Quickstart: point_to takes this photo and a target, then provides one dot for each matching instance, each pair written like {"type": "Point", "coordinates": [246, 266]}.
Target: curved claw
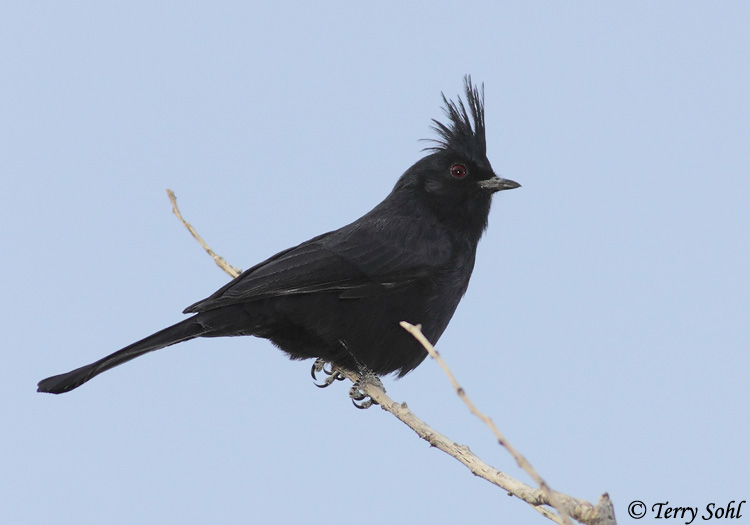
{"type": "Point", "coordinates": [357, 394]}
{"type": "Point", "coordinates": [367, 403]}
{"type": "Point", "coordinates": [335, 376]}
{"type": "Point", "coordinates": [331, 373]}
{"type": "Point", "coordinates": [316, 367]}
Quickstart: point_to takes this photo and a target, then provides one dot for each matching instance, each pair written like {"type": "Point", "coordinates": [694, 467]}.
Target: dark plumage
{"type": "Point", "coordinates": [341, 295]}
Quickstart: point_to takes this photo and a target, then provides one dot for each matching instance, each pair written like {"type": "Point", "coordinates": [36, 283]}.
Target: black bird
{"type": "Point", "coordinates": [340, 296]}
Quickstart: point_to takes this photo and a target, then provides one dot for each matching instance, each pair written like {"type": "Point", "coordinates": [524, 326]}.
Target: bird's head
{"type": "Point", "coordinates": [457, 179]}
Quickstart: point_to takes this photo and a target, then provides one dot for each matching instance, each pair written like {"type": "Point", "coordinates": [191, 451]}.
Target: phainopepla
{"type": "Point", "coordinates": [340, 296]}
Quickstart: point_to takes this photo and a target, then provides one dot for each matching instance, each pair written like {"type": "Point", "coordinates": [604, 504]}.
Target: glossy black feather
{"type": "Point", "coordinates": [341, 295]}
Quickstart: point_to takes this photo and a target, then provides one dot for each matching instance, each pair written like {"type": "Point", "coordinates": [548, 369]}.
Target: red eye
{"type": "Point", "coordinates": [458, 171]}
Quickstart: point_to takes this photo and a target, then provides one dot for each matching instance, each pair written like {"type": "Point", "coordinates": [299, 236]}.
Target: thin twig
{"type": "Point", "coordinates": [220, 262]}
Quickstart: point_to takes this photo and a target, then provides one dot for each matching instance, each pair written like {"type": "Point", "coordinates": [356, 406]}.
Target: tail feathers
{"type": "Point", "coordinates": [182, 331]}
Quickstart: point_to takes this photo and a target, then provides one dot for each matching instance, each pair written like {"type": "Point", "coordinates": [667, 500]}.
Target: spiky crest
{"type": "Point", "coordinates": [459, 134]}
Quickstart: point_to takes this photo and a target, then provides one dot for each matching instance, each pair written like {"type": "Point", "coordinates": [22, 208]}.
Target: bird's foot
{"type": "Point", "coordinates": [357, 392]}
{"type": "Point", "coordinates": [331, 373]}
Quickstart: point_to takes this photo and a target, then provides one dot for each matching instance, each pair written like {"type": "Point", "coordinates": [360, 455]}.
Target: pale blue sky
{"type": "Point", "coordinates": [605, 329]}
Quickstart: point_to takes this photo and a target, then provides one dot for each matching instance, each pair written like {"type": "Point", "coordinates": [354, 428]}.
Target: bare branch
{"type": "Point", "coordinates": [580, 510]}
{"type": "Point", "coordinates": [220, 262]}
{"type": "Point", "coordinates": [455, 450]}
{"type": "Point", "coordinates": [416, 331]}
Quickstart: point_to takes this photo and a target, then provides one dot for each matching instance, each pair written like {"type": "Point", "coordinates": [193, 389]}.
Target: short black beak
{"type": "Point", "coordinates": [497, 184]}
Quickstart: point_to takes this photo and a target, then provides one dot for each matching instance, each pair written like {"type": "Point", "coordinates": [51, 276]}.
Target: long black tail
{"type": "Point", "coordinates": [177, 333]}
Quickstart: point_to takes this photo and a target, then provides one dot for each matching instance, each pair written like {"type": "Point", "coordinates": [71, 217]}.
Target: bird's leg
{"type": "Point", "coordinates": [332, 374]}
{"type": "Point", "coordinates": [357, 392]}
{"type": "Point", "coordinates": [366, 376]}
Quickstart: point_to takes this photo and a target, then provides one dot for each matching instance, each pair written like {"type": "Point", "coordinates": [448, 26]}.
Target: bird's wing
{"type": "Point", "coordinates": [356, 261]}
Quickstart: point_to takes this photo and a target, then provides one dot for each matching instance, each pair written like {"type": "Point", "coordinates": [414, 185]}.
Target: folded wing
{"type": "Point", "coordinates": [354, 263]}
